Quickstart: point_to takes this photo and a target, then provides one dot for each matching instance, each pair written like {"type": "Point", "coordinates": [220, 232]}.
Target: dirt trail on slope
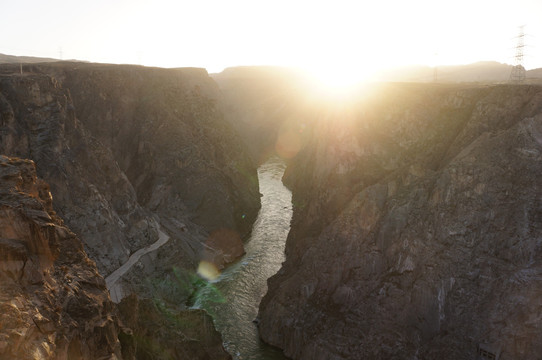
{"type": "Point", "coordinates": [114, 288]}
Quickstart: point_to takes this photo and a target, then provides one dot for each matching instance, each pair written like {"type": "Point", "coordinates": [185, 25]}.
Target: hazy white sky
{"type": "Point", "coordinates": [354, 36]}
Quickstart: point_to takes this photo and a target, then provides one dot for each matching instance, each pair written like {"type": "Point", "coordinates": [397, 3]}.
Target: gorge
{"type": "Point", "coordinates": [416, 209]}
{"type": "Point", "coordinates": [131, 153]}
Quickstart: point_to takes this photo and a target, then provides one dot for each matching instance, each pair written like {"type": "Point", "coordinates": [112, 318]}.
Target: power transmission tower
{"type": "Point", "coordinates": [517, 75]}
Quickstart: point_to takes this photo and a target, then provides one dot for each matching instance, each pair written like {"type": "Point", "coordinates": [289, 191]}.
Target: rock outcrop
{"type": "Point", "coordinates": [417, 229]}
{"type": "Point", "coordinates": [54, 304]}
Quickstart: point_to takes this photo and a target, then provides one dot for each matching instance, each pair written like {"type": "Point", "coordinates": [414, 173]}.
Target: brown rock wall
{"type": "Point", "coordinates": [54, 303]}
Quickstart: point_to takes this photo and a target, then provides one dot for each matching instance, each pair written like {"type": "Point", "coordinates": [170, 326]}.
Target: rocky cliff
{"type": "Point", "coordinates": [54, 304]}
{"type": "Point", "coordinates": [417, 228]}
{"type": "Point", "coordinates": [130, 153]}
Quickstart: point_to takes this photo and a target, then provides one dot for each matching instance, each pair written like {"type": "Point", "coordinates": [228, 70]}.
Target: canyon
{"type": "Point", "coordinates": [416, 229]}
{"type": "Point", "coordinates": [133, 155]}
{"type": "Point", "coordinates": [128, 151]}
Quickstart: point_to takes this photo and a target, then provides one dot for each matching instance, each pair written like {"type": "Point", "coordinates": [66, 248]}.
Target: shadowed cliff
{"type": "Point", "coordinates": [263, 104]}
{"type": "Point", "coordinates": [416, 229]}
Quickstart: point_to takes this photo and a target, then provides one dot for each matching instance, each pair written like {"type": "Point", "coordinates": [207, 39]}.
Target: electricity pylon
{"type": "Point", "coordinates": [517, 75]}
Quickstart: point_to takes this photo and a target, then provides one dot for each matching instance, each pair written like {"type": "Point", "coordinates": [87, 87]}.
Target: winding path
{"type": "Point", "coordinates": [115, 289]}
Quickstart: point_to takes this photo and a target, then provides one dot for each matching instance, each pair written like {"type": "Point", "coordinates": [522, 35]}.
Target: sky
{"type": "Point", "coordinates": [352, 38]}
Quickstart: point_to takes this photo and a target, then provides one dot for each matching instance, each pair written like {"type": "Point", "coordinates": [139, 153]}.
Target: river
{"type": "Point", "coordinates": [243, 284]}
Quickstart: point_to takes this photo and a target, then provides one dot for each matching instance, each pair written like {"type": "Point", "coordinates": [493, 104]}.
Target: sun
{"type": "Point", "coordinates": [336, 77]}
{"type": "Point", "coordinates": [336, 82]}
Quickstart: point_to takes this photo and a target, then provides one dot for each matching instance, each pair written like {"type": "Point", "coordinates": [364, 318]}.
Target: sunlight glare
{"type": "Point", "coordinates": [336, 78]}
{"type": "Point", "coordinates": [336, 82]}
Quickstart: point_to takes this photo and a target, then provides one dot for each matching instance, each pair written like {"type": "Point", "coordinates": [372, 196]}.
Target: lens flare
{"type": "Point", "coordinates": [208, 270]}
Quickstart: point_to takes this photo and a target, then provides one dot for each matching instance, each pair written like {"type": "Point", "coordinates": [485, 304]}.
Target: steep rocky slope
{"type": "Point", "coordinates": [417, 229]}
{"type": "Point", "coordinates": [129, 152]}
{"type": "Point", "coordinates": [54, 304]}
{"type": "Point", "coordinates": [169, 138]}
{"type": "Point", "coordinates": [91, 192]}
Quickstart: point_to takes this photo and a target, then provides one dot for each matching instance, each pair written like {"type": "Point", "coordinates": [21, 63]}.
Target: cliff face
{"type": "Point", "coordinates": [54, 304]}
{"type": "Point", "coordinates": [131, 152]}
{"type": "Point", "coordinates": [91, 192]}
{"type": "Point", "coordinates": [416, 230]}
{"type": "Point", "coordinates": [170, 140]}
